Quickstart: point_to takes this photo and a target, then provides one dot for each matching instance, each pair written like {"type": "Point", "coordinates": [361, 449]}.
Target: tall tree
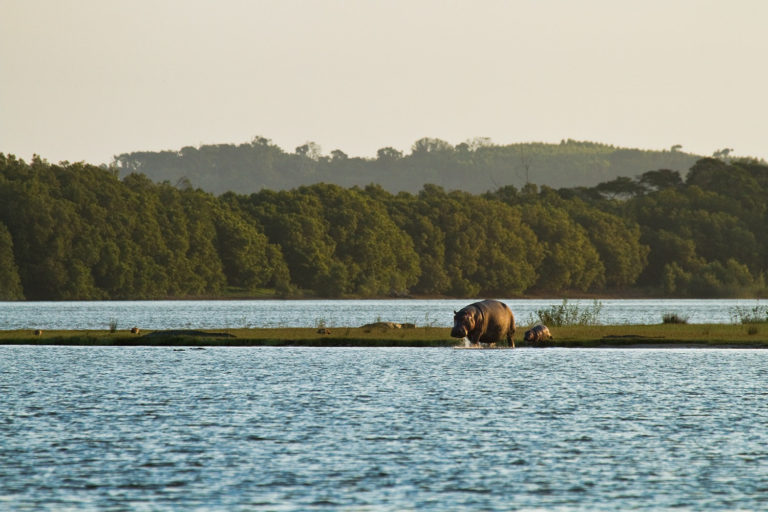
{"type": "Point", "coordinates": [10, 282]}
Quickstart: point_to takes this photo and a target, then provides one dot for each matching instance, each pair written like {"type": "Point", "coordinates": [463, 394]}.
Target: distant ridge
{"type": "Point", "coordinates": [475, 166]}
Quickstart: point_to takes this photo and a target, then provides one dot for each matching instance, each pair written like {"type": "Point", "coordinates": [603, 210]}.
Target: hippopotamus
{"type": "Point", "coordinates": [537, 334]}
{"type": "Point", "coordinates": [487, 321]}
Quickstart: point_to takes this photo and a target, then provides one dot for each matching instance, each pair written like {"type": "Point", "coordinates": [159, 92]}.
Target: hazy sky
{"type": "Point", "coordinates": [89, 79]}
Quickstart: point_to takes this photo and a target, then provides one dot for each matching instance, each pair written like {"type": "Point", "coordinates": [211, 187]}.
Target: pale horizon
{"type": "Point", "coordinates": [87, 80]}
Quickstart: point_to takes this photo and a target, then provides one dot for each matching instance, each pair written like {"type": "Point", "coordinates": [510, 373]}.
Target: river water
{"type": "Point", "coordinates": [213, 314]}
{"type": "Point", "coordinates": [297, 428]}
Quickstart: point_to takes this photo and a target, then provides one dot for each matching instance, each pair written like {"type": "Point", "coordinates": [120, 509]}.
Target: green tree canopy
{"type": "Point", "coordinates": [76, 231]}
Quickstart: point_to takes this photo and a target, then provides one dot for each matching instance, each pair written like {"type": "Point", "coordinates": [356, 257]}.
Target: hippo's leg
{"type": "Point", "coordinates": [510, 340]}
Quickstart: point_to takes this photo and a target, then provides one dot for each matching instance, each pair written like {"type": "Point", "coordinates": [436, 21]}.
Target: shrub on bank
{"type": "Point", "coordinates": [754, 315]}
{"type": "Point", "coordinates": [566, 314]}
{"type": "Point", "coordinates": [674, 318]}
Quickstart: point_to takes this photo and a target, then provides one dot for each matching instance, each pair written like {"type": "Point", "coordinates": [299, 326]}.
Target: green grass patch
{"type": "Point", "coordinates": [661, 335]}
{"type": "Point", "coordinates": [416, 337]}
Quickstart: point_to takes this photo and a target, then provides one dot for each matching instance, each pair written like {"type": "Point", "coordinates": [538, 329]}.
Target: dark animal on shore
{"type": "Point", "coordinates": [323, 331]}
{"type": "Point", "coordinates": [488, 321]}
{"type": "Point", "coordinates": [538, 334]}
{"type": "Point", "coordinates": [135, 330]}
{"type": "Point", "coordinates": [38, 332]}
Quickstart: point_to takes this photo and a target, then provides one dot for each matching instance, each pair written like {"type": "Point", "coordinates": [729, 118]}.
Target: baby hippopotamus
{"type": "Point", "coordinates": [537, 334]}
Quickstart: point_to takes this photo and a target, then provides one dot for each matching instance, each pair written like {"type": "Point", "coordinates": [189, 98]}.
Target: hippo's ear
{"type": "Point", "coordinates": [454, 312]}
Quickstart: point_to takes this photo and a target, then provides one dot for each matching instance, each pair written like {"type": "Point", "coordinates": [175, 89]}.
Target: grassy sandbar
{"type": "Point", "coordinates": [661, 335]}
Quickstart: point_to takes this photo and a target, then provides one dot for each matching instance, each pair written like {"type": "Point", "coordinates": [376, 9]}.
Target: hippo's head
{"type": "Point", "coordinates": [529, 335]}
{"type": "Point", "coordinates": [463, 323]}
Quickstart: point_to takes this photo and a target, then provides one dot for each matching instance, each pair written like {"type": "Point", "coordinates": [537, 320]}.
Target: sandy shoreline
{"type": "Point", "coordinates": [609, 336]}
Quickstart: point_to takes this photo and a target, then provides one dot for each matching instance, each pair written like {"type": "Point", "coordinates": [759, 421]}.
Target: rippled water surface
{"type": "Point", "coordinates": [148, 428]}
{"type": "Point", "coordinates": [216, 314]}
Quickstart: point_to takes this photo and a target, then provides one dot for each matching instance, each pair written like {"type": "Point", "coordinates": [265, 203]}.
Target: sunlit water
{"type": "Point", "coordinates": [212, 314]}
{"type": "Point", "coordinates": [148, 428]}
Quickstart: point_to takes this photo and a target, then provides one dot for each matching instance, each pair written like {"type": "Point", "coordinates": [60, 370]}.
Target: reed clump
{"type": "Point", "coordinates": [755, 315]}
{"type": "Point", "coordinates": [674, 318]}
{"type": "Point", "coordinates": [566, 314]}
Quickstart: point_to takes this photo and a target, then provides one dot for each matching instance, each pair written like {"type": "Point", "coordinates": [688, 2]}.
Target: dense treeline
{"type": "Point", "coordinates": [474, 166]}
{"type": "Point", "coordinates": [76, 231]}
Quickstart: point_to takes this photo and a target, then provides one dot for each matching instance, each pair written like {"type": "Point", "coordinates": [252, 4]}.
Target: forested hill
{"type": "Point", "coordinates": [77, 231]}
{"type": "Point", "coordinates": [476, 166]}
